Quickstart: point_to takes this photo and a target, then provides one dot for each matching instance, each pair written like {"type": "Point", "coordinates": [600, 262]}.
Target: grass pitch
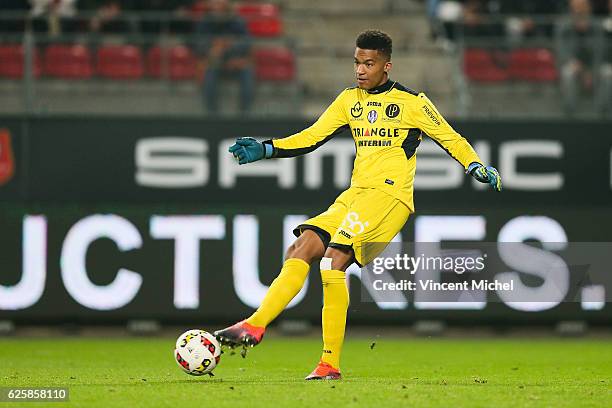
{"type": "Point", "coordinates": [139, 372]}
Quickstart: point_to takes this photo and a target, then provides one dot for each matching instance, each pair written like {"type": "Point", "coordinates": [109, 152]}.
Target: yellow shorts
{"type": "Point", "coordinates": [359, 216]}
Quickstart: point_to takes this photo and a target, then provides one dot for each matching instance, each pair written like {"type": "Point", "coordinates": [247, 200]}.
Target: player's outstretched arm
{"type": "Point", "coordinates": [332, 122]}
{"type": "Point", "coordinates": [429, 120]}
{"type": "Point", "coordinates": [248, 150]}
{"type": "Point", "coordinates": [485, 175]}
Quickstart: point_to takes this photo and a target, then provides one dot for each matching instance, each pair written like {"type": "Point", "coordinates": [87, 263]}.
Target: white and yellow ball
{"type": "Point", "coordinates": [197, 352]}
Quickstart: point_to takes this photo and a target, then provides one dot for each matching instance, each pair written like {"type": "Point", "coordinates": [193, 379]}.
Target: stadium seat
{"type": "Point", "coordinates": [197, 9]}
{"type": "Point", "coordinates": [265, 26]}
{"type": "Point", "coordinates": [68, 61]}
{"type": "Point", "coordinates": [181, 62]}
{"type": "Point", "coordinates": [248, 10]}
{"type": "Point", "coordinates": [263, 20]}
{"type": "Point", "coordinates": [533, 64]}
{"type": "Point", "coordinates": [12, 61]}
{"type": "Point", "coordinates": [120, 62]}
{"type": "Point", "coordinates": [274, 64]}
{"type": "Point", "coordinates": [479, 65]}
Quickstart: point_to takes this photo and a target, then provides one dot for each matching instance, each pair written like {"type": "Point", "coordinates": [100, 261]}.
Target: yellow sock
{"type": "Point", "coordinates": [333, 318]}
{"type": "Point", "coordinates": [284, 288]}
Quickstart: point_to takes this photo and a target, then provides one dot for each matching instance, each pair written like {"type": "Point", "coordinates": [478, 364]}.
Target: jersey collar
{"type": "Point", "coordinates": [382, 88]}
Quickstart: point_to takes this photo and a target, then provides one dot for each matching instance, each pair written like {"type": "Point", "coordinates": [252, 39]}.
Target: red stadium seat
{"type": "Point", "coordinates": [479, 65]}
{"type": "Point", "coordinates": [197, 9]}
{"type": "Point", "coordinates": [12, 61]}
{"type": "Point", "coordinates": [534, 64]}
{"type": "Point", "coordinates": [263, 20]}
{"type": "Point", "coordinates": [265, 26]}
{"type": "Point", "coordinates": [248, 10]}
{"type": "Point", "coordinates": [68, 61]}
{"type": "Point", "coordinates": [274, 64]}
{"type": "Point", "coordinates": [120, 62]}
{"type": "Point", "coordinates": [154, 62]}
{"type": "Point", "coordinates": [182, 64]}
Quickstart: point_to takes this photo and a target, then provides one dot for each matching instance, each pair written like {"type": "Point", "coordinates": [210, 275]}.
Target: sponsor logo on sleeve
{"type": "Point", "coordinates": [432, 114]}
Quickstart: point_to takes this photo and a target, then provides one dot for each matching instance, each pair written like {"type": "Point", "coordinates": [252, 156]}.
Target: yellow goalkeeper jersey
{"type": "Point", "coordinates": [387, 124]}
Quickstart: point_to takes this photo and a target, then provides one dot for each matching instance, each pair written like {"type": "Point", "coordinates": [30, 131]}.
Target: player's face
{"type": "Point", "coordinates": [371, 68]}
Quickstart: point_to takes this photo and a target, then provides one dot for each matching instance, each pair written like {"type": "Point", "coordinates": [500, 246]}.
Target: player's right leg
{"type": "Point", "coordinates": [371, 222]}
{"type": "Point", "coordinates": [333, 316]}
{"type": "Point", "coordinates": [307, 248]}
{"type": "Point", "coordinates": [313, 238]}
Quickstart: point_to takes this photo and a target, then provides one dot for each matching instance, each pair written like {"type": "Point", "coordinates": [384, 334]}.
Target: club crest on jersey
{"type": "Point", "coordinates": [356, 110]}
{"type": "Point", "coordinates": [372, 116]}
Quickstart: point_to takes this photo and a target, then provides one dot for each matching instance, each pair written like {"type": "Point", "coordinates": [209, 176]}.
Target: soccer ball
{"type": "Point", "coordinates": [197, 352]}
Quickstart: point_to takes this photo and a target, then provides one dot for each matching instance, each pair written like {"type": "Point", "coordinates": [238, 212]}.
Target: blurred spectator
{"type": "Point", "coordinates": [54, 17]}
{"type": "Point", "coordinates": [198, 8]}
{"type": "Point", "coordinates": [600, 7]}
{"type": "Point", "coordinates": [224, 46]}
{"type": "Point", "coordinates": [444, 16]}
{"type": "Point", "coordinates": [529, 18]}
{"type": "Point", "coordinates": [15, 22]}
{"type": "Point", "coordinates": [153, 5]}
{"type": "Point", "coordinates": [432, 7]}
{"type": "Point", "coordinates": [472, 18]}
{"type": "Point", "coordinates": [480, 19]}
{"type": "Point", "coordinates": [108, 18]}
{"type": "Point", "coordinates": [576, 48]}
{"type": "Point", "coordinates": [175, 12]}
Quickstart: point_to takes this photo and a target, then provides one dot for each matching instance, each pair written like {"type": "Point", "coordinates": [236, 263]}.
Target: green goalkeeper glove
{"type": "Point", "coordinates": [248, 150]}
{"type": "Point", "coordinates": [485, 175]}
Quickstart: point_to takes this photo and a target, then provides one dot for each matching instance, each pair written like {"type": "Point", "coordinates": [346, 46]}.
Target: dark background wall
{"type": "Point", "coordinates": [90, 196]}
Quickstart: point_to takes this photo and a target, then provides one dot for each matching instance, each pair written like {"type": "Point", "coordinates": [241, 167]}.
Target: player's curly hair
{"type": "Point", "coordinates": [375, 40]}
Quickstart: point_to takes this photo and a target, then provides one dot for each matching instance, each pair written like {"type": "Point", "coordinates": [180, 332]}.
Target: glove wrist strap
{"type": "Point", "coordinates": [473, 166]}
{"type": "Point", "coordinates": [268, 149]}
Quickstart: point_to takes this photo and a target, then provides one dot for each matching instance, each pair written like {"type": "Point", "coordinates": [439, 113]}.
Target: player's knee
{"type": "Point", "coordinates": [341, 258]}
{"type": "Point", "coordinates": [291, 250]}
{"type": "Point", "coordinates": [307, 247]}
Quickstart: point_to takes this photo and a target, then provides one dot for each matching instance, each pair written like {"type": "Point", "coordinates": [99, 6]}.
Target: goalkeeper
{"type": "Point", "coordinates": [387, 122]}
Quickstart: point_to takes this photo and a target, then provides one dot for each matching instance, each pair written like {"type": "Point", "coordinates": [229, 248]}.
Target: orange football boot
{"type": "Point", "coordinates": [324, 371]}
{"type": "Point", "coordinates": [240, 334]}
